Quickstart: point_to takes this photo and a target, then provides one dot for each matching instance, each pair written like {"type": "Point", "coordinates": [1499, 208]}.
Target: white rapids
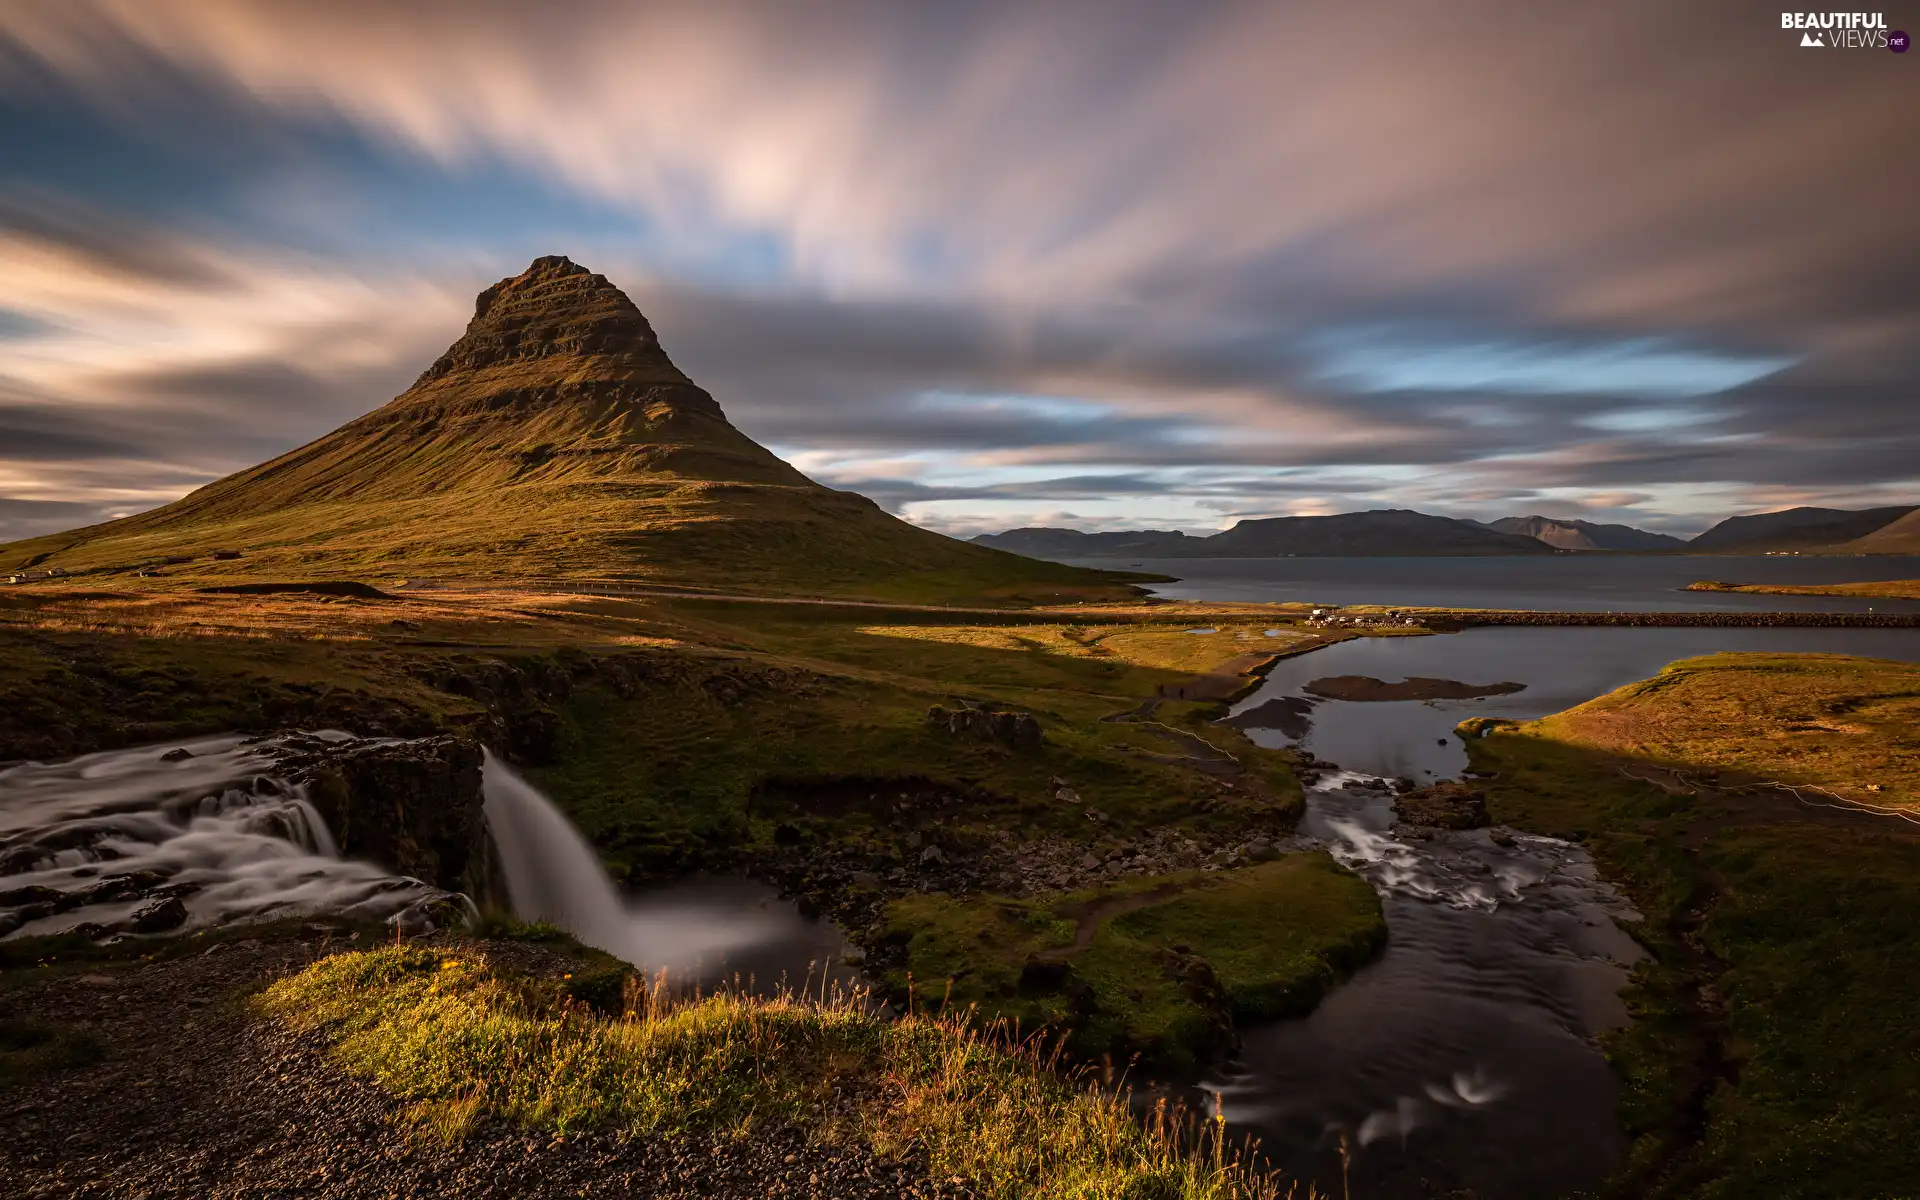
{"type": "Point", "coordinates": [151, 840]}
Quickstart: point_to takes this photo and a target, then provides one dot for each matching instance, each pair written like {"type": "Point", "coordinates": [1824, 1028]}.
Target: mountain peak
{"type": "Point", "coordinates": [555, 308]}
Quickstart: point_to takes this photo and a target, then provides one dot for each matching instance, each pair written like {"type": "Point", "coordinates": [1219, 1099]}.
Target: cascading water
{"type": "Point", "coordinates": [1462, 1058]}
{"type": "Point", "coordinates": [203, 833]}
{"type": "Point", "coordinates": [700, 931]}
{"type": "Point", "coordinates": [184, 836]}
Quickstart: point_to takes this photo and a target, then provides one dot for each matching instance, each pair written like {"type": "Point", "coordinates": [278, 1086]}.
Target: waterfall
{"type": "Point", "coordinates": [552, 874]}
{"type": "Point", "coordinates": [702, 930]}
{"type": "Point", "coordinates": [154, 840]}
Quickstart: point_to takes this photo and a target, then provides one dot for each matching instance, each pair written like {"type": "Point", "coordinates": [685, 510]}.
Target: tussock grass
{"type": "Point", "coordinates": [461, 1039]}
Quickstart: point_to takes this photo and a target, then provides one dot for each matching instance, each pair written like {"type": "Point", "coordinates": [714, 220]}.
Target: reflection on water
{"type": "Point", "coordinates": [1462, 1057]}
{"type": "Point", "coordinates": [1561, 666]}
{"type": "Point", "coordinates": [701, 931]}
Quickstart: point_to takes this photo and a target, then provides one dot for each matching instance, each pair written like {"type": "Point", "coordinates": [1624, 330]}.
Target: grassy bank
{"type": "Point", "coordinates": [462, 1038]}
{"type": "Point", "coordinates": [1773, 1052]}
{"type": "Point", "coordinates": [1892, 589]}
{"type": "Point", "coordinates": [1160, 966]}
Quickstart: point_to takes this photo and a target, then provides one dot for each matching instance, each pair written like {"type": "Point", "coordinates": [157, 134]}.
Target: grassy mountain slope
{"type": "Point", "coordinates": [554, 439]}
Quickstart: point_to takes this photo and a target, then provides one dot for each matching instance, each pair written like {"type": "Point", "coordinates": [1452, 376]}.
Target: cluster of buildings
{"type": "Point", "coordinates": [1323, 618]}
{"type": "Point", "coordinates": [30, 576]}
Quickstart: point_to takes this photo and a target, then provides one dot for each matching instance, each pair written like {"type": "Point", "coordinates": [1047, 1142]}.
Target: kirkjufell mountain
{"type": "Point", "coordinates": [554, 439]}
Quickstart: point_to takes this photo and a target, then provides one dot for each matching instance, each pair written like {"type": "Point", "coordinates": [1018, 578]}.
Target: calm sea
{"type": "Point", "coordinates": [1565, 583]}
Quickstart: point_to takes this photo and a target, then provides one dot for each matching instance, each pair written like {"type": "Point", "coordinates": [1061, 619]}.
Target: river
{"type": "Point", "coordinates": [1462, 1059]}
{"type": "Point", "coordinates": [1561, 667]}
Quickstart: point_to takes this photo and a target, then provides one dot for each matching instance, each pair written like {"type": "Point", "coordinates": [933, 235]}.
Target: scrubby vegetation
{"type": "Point", "coordinates": [1159, 966]}
{"type": "Point", "coordinates": [667, 728]}
{"type": "Point", "coordinates": [1847, 725]}
{"type": "Point", "coordinates": [462, 1038]}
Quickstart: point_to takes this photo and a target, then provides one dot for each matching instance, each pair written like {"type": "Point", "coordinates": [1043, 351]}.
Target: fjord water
{"type": "Point", "coordinates": [1561, 666]}
{"type": "Point", "coordinates": [1559, 583]}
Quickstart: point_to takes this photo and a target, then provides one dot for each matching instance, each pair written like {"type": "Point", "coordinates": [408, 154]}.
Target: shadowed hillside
{"type": "Point", "coordinates": [1392, 531]}
{"type": "Point", "coordinates": [1567, 534]}
{"type": "Point", "coordinates": [1901, 536]}
{"type": "Point", "coordinates": [1796, 529]}
{"type": "Point", "coordinates": [554, 439]}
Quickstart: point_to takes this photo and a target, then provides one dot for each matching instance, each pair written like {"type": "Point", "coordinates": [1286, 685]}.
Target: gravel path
{"type": "Point", "coordinates": [196, 1098]}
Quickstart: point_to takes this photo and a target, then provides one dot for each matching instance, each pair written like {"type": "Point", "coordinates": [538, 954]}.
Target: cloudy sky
{"type": "Point", "coordinates": [1104, 265]}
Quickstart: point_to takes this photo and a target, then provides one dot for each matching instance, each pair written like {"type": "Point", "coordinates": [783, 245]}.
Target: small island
{"type": "Point", "coordinates": [1888, 589]}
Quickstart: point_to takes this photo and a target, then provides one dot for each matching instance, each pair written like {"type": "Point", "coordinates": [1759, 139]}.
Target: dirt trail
{"type": "Point", "coordinates": [1091, 915]}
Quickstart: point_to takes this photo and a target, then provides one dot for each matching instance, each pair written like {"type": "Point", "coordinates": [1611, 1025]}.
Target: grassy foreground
{"type": "Point", "coordinates": [1774, 1051]}
{"type": "Point", "coordinates": [463, 1039]}
{"type": "Point", "coordinates": [1122, 965]}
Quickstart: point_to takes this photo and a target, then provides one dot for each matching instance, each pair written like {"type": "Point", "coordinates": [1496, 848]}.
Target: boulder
{"type": "Point", "coordinates": [1451, 804]}
{"type": "Point", "coordinates": [170, 913]}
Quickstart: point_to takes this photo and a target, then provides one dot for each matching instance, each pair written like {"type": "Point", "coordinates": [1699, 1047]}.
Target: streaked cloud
{"type": "Point", "coordinates": [1142, 262]}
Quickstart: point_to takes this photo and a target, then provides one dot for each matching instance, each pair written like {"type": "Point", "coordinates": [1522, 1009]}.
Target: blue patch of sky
{"type": "Point", "coordinates": [1054, 410]}
{"type": "Point", "coordinates": [1651, 420]}
{"type": "Point", "coordinates": [1386, 359]}
{"type": "Point", "coordinates": [19, 325]}
{"type": "Point", "coordinates": [209, 163]}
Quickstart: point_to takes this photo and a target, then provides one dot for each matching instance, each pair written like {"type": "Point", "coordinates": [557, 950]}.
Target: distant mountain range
{"type": "Point", "coordinates": [1401, 532]}
{"type": "Point", "coordinates": [1383, 532]}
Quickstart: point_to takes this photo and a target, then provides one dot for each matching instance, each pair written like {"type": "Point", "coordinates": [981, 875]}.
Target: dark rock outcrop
{"type": "Point", "coordinates": [1448, 805]}
{"type": "Point", "coordinates": [1015, 730]}
{"type": "Point", "coordinates": [413, 807]}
